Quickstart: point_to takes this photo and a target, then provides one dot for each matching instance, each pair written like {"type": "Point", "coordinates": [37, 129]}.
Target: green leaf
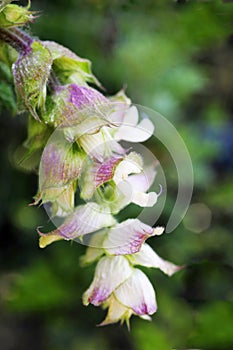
{"type": "Point", "coordinates": [7, 99]}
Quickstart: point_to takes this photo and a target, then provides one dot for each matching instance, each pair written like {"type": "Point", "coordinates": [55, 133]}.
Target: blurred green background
{"type": "Point", "coordinates": [175, 57]}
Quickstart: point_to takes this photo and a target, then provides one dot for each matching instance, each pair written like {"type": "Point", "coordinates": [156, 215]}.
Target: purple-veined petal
{"type": "Point", "coordinates": [137, 293]}
{"type": "Point", "coordinates": [104, 172]}
{"type": "Point", "coordinates": [149, 258]}
{"type": "Point", "coordinates": [60, 165]}
{"type": "Point", "coordinates": [111, 271]}
{"type": "Point", "coordinates": [83, 96]}
{"type": "Point", "coordinates": [127, 237]}
{"type": "Point", "coordinates": [95, 174]}
{"type": "Point", "coordinates": [116, 168]}
{"type": "Point", "coordinates": [86, 219]}
{"type": "Point", "coordinates": [73, 105]}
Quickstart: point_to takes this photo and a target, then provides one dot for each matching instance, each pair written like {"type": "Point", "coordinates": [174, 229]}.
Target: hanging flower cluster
{"type": "Point", "coordinates": [79, 131]}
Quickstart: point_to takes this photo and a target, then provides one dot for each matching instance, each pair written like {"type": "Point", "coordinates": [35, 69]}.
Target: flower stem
{"type": "Point", "coordinates": [21, 42]}
{"type": "Point", "coordinates": [16, 38]}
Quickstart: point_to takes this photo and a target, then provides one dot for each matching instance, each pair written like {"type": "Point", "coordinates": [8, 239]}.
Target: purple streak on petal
{"type": "Point", "coordinates": [59, 165]}
{"type": "Point", "coordinates": [145, 309]}
{"type": "Point", "coordinates": [105, 171]}
{"type": "Point", "coordinates": [50, 159]}
{"type": "Point", "coordinates": [127, 237]}
{"type": "Point", "coordinates": [82, 96]}
{"type": "Point", "coordinates": [85, 219]}
{"type": "Point", "coordinates": [76, 103]}
{"type": "Point", "coordinates": [134, 245]}
{"type": "Point", "coordinates": [98, 295]}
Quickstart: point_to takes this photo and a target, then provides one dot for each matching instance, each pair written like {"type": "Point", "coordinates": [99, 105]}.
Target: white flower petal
{"type": "Point", "coordinates": [131, 116]}
{"type": "Point", "coordinates": [110, 272]}
{"type": "Point", "coordinates": [131, 164]}
{"type": "Point", "coordinates": [158, 231]}
{"type": "Point", "coordinates": [144, 180]}
{"type": "Point", "coordinates": [144, 199]}
{"type": "Point", "coordinates": [148, 258]}
{"type": "Point", "coordinates": [137, 293]}
{"type": "Point", "coordinates": [127, 237]}
{"type": "Point", "coordinates": [119, 105]}
{"type": "Point", "coordinates": [133, 132]}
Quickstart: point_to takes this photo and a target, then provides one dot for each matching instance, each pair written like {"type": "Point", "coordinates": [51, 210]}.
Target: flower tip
{"type": "Point", "coordinates": [46, 239]}
{"type": "Point", "coordinates": [181, 267]}
{"type": "Point", "coordinates": [85, 300]}
{"type": "Point", "coordinates": [38, 230]}
{"type": "Point", "coordinates": [37, 198]}
{"type": "Point", "coordinates": [175, 268]}
{"type": "Point", "coordinates": [158, 231]}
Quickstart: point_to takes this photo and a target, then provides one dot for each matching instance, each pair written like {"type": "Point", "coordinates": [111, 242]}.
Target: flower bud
{"type": "Point", "coordinates": [31, 72]}
{"type": "Point", "coordinates": [13, 15]}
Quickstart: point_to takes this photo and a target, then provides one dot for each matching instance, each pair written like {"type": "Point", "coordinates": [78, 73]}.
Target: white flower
{"type": "Point", "coordinates": [133, 181]}
{"type": "Point", "coordinates": [124, 179]}
{"type": "Point", "coordinates": [111, 272]}
{"type": "Point", "coordinates": [122, 288]}
{"type": "Point", "coordinates": [123, 125]}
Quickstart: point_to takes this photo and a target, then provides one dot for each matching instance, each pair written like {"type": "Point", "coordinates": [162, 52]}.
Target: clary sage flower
{"type": "Point", "coordinates": [126, 290]}
{"type": "Point", "coordinates": [77, 132]}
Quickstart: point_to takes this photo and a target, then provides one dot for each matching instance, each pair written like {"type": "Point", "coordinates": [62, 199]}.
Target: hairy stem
{"type": "Point", "coordinates": [21, 42]}
{"type": "Point", "coordinates": [16, 38]}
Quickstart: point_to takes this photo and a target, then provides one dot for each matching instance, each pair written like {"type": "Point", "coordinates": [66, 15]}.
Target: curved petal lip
{"type": "Point", "coordinates": [144, 309]}
{"type": "Point", "coordinates": [99, 295]}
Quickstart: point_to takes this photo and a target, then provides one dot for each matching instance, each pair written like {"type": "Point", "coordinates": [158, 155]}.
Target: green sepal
{"type": "Point", "coordinates": [27, 156]}
{"type": "Point", "coordinates": [31, 73]}
{"type": "Point", "coordinates": [70, 68]}
{"type": "Point", "coordinates": [38, 134]}
{"type": "Point", "coordinates": [4, 3]}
